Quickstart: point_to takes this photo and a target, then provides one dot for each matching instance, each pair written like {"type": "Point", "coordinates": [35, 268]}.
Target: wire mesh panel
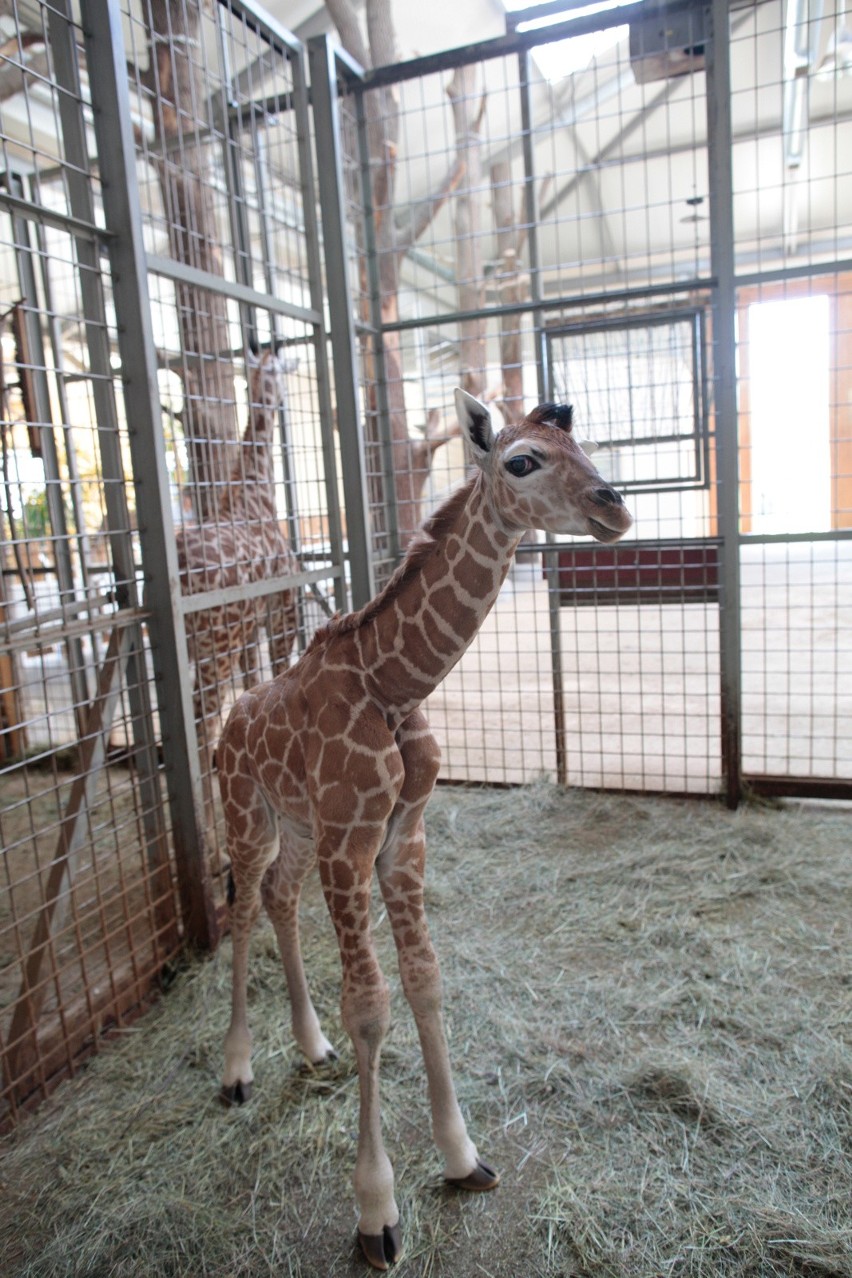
{"type": "Point", "coordinates": [88, 906]}
{"type": "Point", "coordinates": [170, 522]}
{"type": "Point", "coordinates": [236, 306]}
{"type": "Point", "coordinates": [542, 232]}
{"type": "Point", "coordinates": [793, 237]}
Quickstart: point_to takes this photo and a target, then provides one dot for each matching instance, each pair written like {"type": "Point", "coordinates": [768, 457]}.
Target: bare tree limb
{"type": "Point", "coordinates": [344, 17]}
{"type": "Point", "coordinates": [421, 214]}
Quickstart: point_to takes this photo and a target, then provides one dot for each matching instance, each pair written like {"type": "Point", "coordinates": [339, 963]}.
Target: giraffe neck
{"type": "Point", "coordinates": [251, 483]}
{"type": "Point", "coordinates": [421, 625]}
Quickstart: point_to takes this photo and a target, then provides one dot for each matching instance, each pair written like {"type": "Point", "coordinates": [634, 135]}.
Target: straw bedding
{"type": "Point", "coordinates": [648, 1004]}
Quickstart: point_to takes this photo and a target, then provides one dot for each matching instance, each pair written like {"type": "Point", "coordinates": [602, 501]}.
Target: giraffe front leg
{"type": "Point", "coordinates": [401, 869]}
{"type": "Point", "coordinates": [402, 887]}
{"type": "Point", "coordinates": [346, 872]}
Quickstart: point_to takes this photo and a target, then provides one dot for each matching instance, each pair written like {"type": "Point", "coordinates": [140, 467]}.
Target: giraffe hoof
{"type": "Point", "coordinates": [327, 1058]}
{"type": "Point", "coordinates": [383, 1249]}
{"type": "Point", "coordinates": [235, 1093]}
{"type": "Point", "coordinates": [479, 1181]}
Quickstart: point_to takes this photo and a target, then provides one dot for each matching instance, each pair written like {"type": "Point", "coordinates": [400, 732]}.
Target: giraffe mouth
{"type": "Point", "coordinates": [602, 533]}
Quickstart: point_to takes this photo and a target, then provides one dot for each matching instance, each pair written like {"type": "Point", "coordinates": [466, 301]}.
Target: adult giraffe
{"type": "Point", "coordinates": [333, 762]}
{"type": "Point", "coordinates": [242, 544]}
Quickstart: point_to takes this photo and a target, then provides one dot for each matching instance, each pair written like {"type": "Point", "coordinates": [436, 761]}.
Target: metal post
{"type": "Point", "coordinates": [341, 316]}
{"type": "Point", "coordinates": [551, 557]}
{"type": "Point", "coordinates": [114, 131]}
{"type": "Point", "coordinates": [719, 147]}
{"type": "Point", "coordinates": [315, 276]}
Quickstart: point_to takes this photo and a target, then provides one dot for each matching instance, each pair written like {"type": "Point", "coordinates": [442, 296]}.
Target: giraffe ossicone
{"type": "Point", "coordinates": [332, 763]}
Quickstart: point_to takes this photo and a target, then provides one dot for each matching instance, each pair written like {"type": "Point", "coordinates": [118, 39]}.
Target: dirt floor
{"type": "Point", "coordinates": [649, 1006]}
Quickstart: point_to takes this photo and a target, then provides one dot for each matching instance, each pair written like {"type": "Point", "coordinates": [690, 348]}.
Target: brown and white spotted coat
{"type": "Point", "coordinates": [243, 544]}
{"type": "Point", "coordinates": [333, 763]}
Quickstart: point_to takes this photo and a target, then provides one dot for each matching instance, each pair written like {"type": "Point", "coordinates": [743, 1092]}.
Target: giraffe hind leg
{"type": "Point", "coordinates": [281, 891]}
{"type": "Point", "coordinates": [253, 845]}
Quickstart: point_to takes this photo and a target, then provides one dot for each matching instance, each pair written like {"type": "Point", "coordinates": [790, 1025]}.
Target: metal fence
{"type": "Point", "coordinates": [645, 212]}
{"type": "Point", "coordinates": [648, 218]}
{"type": "Point", "coordinates": [170, 520]}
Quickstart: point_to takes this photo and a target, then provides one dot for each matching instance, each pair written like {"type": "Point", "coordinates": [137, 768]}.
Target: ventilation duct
{"type": "Point", "coordinates": [667, 44]}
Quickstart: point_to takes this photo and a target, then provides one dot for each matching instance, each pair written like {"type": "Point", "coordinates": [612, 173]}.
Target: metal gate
{"type": "Point", "coordinates": [170, 520]}
{"type": "Point", "coordinates": [591, 210]}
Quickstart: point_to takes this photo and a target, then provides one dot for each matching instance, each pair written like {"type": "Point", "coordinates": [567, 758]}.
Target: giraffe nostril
{"type": "Point", "coordinates": [608, 497]}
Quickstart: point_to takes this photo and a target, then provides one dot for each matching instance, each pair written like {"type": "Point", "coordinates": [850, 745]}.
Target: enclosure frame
{"type": "Point", "coordinates": [142, 654]}
{"type": "Point", "coordinates": [719, 292]}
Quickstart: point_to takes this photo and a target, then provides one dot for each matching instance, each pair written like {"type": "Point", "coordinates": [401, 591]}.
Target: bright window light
{"type": "Point", "coordinates": [788, 360]}
{"type": "Point", "coordinates": [562, 58]}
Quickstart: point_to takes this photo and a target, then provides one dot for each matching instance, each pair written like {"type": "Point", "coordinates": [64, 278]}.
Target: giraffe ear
{"type": "Point", "coordinates": [475, 422]}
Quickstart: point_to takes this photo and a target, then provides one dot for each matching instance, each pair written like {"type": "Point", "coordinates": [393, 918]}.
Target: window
{"type": "Point", "coordinates": [788, 375]}
{"type": "Point", "coordinates": [638, 391]}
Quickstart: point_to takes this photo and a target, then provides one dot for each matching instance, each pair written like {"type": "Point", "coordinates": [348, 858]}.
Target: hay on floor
{"type": "Point", "coordinates": [648, 1004]}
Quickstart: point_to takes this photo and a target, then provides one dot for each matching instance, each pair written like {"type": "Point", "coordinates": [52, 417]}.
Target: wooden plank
{"type": "Point", "coordinates": [22, 1045]}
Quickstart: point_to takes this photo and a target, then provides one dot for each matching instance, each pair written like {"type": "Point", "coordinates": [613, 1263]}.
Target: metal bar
{"type": "Point", "coordinates": [102, 21]}
{"type": "Point", "coordinates": [320, 343]}
{"type": "Point", "coordinates": [19, 206]}
{"type": "Point", "coordinates": [512, 43]}
{"type": "Point", "coordinates": [549, 9]}
{"type": "Point", "coordinates": [22, 1048]}
{"type": "Point", "coordinates": [25, 633]}
{"type": "Point", "coordinates": [183, 273]}
{"type": "Point", "coordinates": [256, 589]}
{"type": "Point", "coordinates": [783, 274]}
{"type": "Point", "coordinates": [639, 319]}
{"type": "Point", "coordinates": [565, 302]}
{"type": "Point", "coordinates": [263, 24]}
{"type": "Point", "coordinates": [718, 68]}
{"type": "Point", "coordinates": [762, 539]}
{"type": "Point", "coordinates": [349, 423]}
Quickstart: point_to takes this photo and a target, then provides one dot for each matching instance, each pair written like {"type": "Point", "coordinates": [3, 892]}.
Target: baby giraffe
{"type": "Point", "coordinates": [332, 764]}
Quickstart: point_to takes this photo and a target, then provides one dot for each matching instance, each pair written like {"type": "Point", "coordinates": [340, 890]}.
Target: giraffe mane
{"type": "Point", "coordinates": [435, 528]}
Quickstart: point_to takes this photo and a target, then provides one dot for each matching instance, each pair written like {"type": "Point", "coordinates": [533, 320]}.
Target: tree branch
{"type": "Point", "coordinates": [344, 17]}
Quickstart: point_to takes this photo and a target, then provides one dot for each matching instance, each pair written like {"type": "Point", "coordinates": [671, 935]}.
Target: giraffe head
{"type": "Point", "coordinates": [267, 378]}
{"type": "Point", "coordinates": [539, 476]}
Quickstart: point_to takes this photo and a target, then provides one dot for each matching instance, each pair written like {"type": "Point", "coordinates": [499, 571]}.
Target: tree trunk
{"type": "Point", "coordinates": [411, 457]}
{"type": "Point", "coordinates": [175, 79]}
{"type": "Point", "coordinates": [511, 289]}
{"type": "Point", "coordinates": [468, 112]}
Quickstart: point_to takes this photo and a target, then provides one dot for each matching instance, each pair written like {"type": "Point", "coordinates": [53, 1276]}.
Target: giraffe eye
{"type": "Point", "coordinates": [522, 465]}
